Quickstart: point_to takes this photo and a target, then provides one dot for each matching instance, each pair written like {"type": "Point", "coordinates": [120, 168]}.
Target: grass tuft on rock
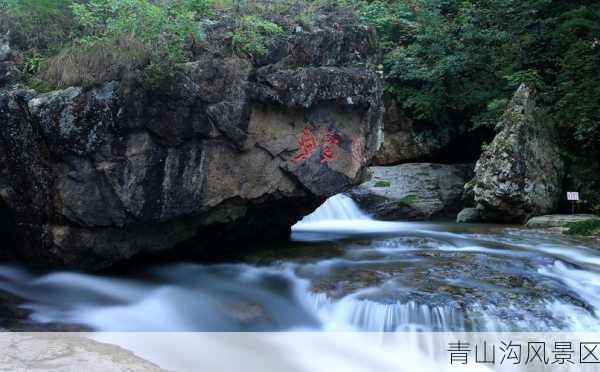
{"type": "Point", "coordinates": [408, 200]}
{"type": "Point", "coordinates": [586, 228]}
{"type": "Point", "coordinates": [86, 66]}
{"type": "Point", "coordinates": [382, 183]}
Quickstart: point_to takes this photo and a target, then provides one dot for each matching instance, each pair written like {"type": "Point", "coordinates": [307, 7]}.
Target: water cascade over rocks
{"type": "Point", "coordinates": [343, 272]}
{"type": "Point", "coordinates": [338, 207]}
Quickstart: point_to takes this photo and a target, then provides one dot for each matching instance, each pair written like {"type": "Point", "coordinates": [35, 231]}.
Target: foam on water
{"type": "Point", "coordinates": [352, 313]}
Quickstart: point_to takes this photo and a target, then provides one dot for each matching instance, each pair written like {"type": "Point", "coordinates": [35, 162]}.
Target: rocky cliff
{"type": "Point", "coordinates": [227, 148]}
{"type": "Point", "coordinates": [521, 172]}
{"type": "Point", "coordinates": [414, 191]}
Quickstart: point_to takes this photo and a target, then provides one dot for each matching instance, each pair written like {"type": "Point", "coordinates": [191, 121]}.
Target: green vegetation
{"type": "Point", "coordinates": [408, 200]}
{"type": "Point", "coordinates": [447, 62]}
{"type": "Point", "coordinates": [460, 61]}
{"type": "Point", "coordinates": [69, 42]}
{"type": "Point", "coordinates": [587, 228]}
{"type": "Point", "coordinates": [250, 36]}
{"type": "Point", "coordinates": [37, 26]}
{"type": "Point", "coordinates": [164, 25]}
{"type": "Point", "coordinates": [381, 183]}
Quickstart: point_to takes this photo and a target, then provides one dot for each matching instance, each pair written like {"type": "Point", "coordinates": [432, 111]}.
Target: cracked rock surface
{"type": "Point", "coordinates": [227, 149]}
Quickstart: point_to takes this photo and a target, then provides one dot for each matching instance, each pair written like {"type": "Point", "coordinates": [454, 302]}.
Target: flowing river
{"type": "Point", "coordinates": [342, 271]}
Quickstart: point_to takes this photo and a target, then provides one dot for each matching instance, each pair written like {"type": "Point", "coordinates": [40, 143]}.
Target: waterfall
{"type": "Point", "coordinates": [337, 207]}
{"type": "Point", "coordinates": [339, 217]}
{"type": "Point", "coordinates": [371, 316]}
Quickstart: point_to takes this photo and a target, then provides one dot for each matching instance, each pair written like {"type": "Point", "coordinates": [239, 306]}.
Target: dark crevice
{"type": "Point", "coordinates": [466, 148]}
{"type": "Point", "coordinates": [8, 231]}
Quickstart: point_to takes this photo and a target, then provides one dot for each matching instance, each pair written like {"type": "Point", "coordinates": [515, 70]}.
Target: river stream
{"type": "Point", "coordinates": [342, 271]}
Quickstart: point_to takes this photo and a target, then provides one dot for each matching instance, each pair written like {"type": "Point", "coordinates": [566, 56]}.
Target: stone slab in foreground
{"type": "Point", "coordinates": [66, 352]}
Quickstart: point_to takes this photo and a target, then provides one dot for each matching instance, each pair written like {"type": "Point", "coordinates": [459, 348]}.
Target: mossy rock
{"type": "Point", "coordinates": [408, 200]}
{"type": "Point", "coordinates": [381, 183]}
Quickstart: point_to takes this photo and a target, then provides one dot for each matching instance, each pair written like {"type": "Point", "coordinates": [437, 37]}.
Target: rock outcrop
{"type": "Point", "coordinates": [520, 173]}
{"type": "Point", "coordinates": [406, 141]}
{"type": "Point", "coordinates": [225, 149]}
{"type": "Point", "coordinates": [418, 191]}
{"type": "Point", "coordinates": [9, 61]}
{"type": "Point", "coordinates": [468, 215]}
{"type": "Point", "coordinates": [412, 141]}
{"type": "Point", "coordinates": [559, 220]}
{"type": "Point", "coordinates": [66, 352]}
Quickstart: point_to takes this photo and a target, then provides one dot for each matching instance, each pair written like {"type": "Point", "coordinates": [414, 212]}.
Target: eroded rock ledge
{"type": "Point", "coordinates": [225, 149]}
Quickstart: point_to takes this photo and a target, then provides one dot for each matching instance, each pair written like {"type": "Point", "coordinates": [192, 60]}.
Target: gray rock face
{"type": "Point", "coordinates": [468, 215]}
{"type": "Point", "coordinates": [407, 141]}
{"type": "Point", "coordinates": [223, 150]}
{"type": "Point", "coordinates": [417, 191]}
{"type": "Point", "coordinates": [558, 220]}
{"type": "Point", "coordinates": [520, 173]}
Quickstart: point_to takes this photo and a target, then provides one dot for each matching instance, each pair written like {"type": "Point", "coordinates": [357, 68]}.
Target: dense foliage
{"type": "Point", "coordinates": [447, 62]}
{"type": "Point", "coordinates": [163, 25]}
{"type": "Point", "coordinates": [249, 37]}
{"type": "Point", "coordinates": [460, 61]}
{"type": "Point", "coordinates": [40, 25]}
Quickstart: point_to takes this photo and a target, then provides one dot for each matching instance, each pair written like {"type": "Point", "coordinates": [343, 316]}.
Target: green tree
{"type": "Point", "coordinates": [460, 61]}
{"type": "Point", "coordinates": [40, 25]}
{"type": "Point", "coordinates": [251, 35]}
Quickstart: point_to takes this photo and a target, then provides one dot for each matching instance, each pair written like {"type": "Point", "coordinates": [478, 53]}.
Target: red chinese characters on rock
{"type": "Point", "coordinates": [307, 144]}
{"type": "Point", "coordinates": [330, 142]}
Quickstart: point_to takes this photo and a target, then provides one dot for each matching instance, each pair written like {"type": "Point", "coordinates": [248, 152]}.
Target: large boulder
{"type": "Point", "coordinates": [468, 215]}
{"type": "Point", "coordinates": [520, 173]}
{"type": "Point", "coordinates": [418, 191]}
{"type": "Point", "coordinates": [226, 149]}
